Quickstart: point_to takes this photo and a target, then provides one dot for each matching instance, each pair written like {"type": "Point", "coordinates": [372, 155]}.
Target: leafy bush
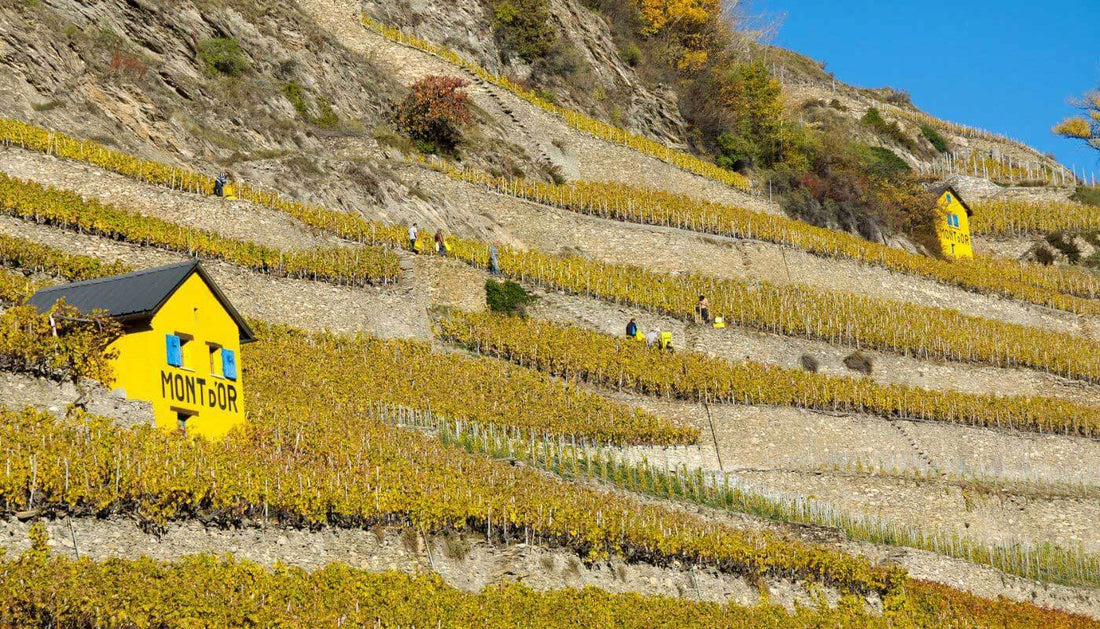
{"type": "Point", "coordinates": [934, 137]}
{"type": "Point", "coordinates": [523, 27]}
{"type": "Point", "coordinates": [1066, 245]}
{"type": "Point", "coordinates": [890, 130]}
{"type": "Point", "coordinates": [1044, 256]}
{"type": "Point", "coordinates": [296, 94]}
{"type": "Point", "coordinates": [1089, 195]}
{"type": "Point", "coordinates": [884, 162]}
{"type": "Point", "coordinates": [736, 152]}
{"type": "Point", "coordinates": [507, 297]}
{"type": "Point", "coordinates": [222, 55]}
{"type": "Point", "coordinates": [756, 130]}
{"type": "Point", "coordinates": [809, 363]}
{"type": "Point", "coordinates": [631, 54]}
{"type": "Point", "coordinates": [435, 111]}
{"type": "Point", "coordinates": [858, 361]}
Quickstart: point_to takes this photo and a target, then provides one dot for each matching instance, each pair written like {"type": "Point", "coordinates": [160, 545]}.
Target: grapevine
{"type": "Point", "coordinates": [59, 344]}
{"type": "Point", "coordinates": [1010, 217]}
{"type": "Point", "coordinates": [341, 265]}
{"type": "Point", "coordinates": [36, 586]}
{"type": "Point", "coordinates": [578, 354]}
{"type": "Point", "coordinates": [1073, 292]}
{"type": "Point", "coordinates": [800, 311]}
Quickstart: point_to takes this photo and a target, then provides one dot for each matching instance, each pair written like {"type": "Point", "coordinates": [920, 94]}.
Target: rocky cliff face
{"type": "Point", "coordinates": [597, 81]}
{"type": "Point", "coordinates": [128, 74]}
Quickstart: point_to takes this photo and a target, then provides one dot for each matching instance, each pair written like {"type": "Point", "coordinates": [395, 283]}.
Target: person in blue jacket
{"type": "Point", "coordinates": [631, 329]}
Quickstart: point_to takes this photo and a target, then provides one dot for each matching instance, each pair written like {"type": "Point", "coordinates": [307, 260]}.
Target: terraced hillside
{"type": "Point", "coordinates": [877, 438]}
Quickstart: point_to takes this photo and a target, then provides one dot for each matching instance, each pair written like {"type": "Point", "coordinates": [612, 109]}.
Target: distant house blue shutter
{"type": "Point", "coordinates": [175, 353]}
{"type": "Point", "coordinates": [229, 364]}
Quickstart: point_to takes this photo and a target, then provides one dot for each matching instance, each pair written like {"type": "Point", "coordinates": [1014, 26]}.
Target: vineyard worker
{"type": "Point", "coordinates": [414, 231]}
{"type": "Point", "coordinates": [440, 243]}
{"type": "Point", "coordinates": [219, 184]}
{"type": "Point", "coordinates": [653, 338]}
{"type": "Point", "coordinates": [631, 329]}
{"type": "Point", "coordinates": [702, 309]}
{"type": "Point", "coordinates": [494, 259]}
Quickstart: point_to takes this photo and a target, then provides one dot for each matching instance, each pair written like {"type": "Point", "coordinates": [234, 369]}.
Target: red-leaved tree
{"type": "Point", "coordinates": [435, 111]}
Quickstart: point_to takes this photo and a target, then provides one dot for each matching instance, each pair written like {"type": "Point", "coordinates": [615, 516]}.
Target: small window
{"type": "Point", "coordinates": [181, 419]}
{"type": "Point", "coordinates": [229, 364]}
{"type": "Point", "coordinates": [215, 351]}
{"type": "Point", "coordinates": [186, 345]}
{"type": "Point", "coordinates": [174, 350]}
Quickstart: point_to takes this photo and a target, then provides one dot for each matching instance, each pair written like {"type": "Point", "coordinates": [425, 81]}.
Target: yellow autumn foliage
{"type": "Point", "coordinates": [237, 593]}
{"type": "Point", "coordinates": [625, 364]}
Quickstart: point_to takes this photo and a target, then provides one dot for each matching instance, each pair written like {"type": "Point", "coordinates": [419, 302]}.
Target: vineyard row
{"type": "Point", "coordinates": [496, 393]}
{"type": "Point", "coordinates": [356, 266]}
{"type": "Point", "coordinates": [626, 364]}
{"type": "Point", "coordinates": [37, 589]}
{"type": "Point", "coordinates": [1064, 289]}
{"type": "Point", "coordinates": [1046, 562]}
{"type": "Point", "coordinates": [838, 318]}
{"type": "Point", "coordinates": [311, 455]}
{"type": "Point", "coordinates": [1013, 217]}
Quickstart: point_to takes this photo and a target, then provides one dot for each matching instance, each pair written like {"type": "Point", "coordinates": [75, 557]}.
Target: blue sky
{"type": "Point", "coordinates": [1004, 65]}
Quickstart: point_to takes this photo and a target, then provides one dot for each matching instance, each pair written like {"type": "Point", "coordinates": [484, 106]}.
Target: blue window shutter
{"type": "Point", "coordinates": [229, 364]}
{"type": "Point", "coordinates": [175, 354]}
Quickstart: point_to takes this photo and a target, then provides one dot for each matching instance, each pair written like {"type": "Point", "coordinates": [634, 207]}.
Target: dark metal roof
{"type": "Point", "coordinates": [939, 188]}
{"type": "Point", "coordinates": [135, 296]}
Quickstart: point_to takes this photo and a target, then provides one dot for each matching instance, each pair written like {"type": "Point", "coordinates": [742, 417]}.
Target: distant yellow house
{"type": "Point", "coordinates": [953, 223]}
{"type": "Point", "coordinates": [181, 343]}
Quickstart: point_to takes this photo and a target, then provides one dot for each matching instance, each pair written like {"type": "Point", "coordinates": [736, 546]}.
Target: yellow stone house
{"type": "Point", "coordinates": [181, 343]}
{"type": "Point", "coordinates": [953, 223]}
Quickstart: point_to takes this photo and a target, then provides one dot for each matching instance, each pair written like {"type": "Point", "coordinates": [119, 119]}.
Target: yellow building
{"type": "Point", "coordinates": [180, 346]}
{"type": "Point", "coordinates": [953, 223]}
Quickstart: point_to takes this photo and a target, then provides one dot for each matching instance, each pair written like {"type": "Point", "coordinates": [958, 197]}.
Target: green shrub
{"type": "Point", "coordinates": [736, 152]}
{"type": "Point", "coordinates": [1066, 245]}
{"type": "Point", "coordinates": [891, 130]}
{"type": "Point", "coordinates": [523, 27]}
{"type": "Point", "coordinates": [1089, 195]}
{"type": "Point", "coordinates": [326, 116]}
{"type": "Point", "coordinates": [874, 119]}
{"type": "Point", "coordinates": [547, 95]}
{"type": "Point", "coordinates": [222, 55]}
{"type": "Point", "coordinates": [934, 137]}
{"type": "Point", "coordinates": [859, 362]}
{"type": "Point", "coordinates": [631, 54]}
{"type": "Point", "coordinates": [507, 297]}
{"type": "Point", "coordinates": [884, 162]}
{"type": "Point", "coordinates": [296, 94]}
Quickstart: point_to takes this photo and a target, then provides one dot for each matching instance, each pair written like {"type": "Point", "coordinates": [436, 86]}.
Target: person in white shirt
{"type": "Point", "coordinates": [652, 338]}
{"type": "Point", "coordinates": [413, 231]}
